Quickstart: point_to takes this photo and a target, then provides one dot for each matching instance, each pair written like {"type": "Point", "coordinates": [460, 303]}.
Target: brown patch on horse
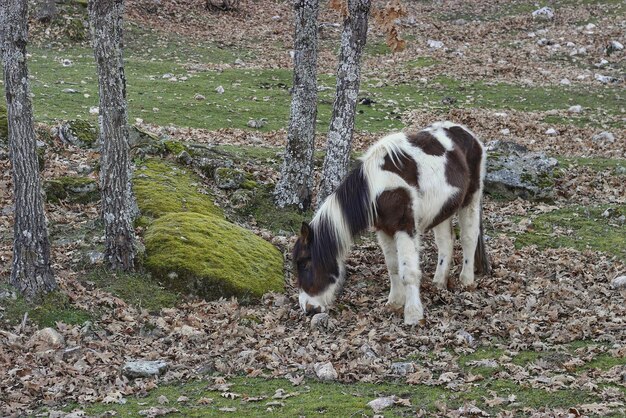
{"type": "Point", "coordinates": [394, 212]}
{"type": "Point", "coordinates": [427, 143]}
{"type": "Point", "coordinates": [404, 167]}
{"type": "Point", "coordinates": [472, 150]}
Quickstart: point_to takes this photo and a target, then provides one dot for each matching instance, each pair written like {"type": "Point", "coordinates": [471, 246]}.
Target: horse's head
{"type": "Point", "coordinates": [318, 272]}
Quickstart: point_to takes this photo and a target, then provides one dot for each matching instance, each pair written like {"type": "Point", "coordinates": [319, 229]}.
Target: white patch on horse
{"type": "Point", "coordinates": [411, 276]}
{"type": "Point", "coordinates": [445, 243]}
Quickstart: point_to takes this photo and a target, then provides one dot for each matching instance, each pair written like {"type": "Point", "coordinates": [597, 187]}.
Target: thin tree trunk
{"type": "Point", "coordinates": [105, 18]}
{"type": "Point", "coordinates": [296, 183]}
{"type": "Point", "coordinates": [46, 10]}
{"type": "Point", "coordinates": [32, 274]}
{"type": "Point", "coordinates": [353, 40]}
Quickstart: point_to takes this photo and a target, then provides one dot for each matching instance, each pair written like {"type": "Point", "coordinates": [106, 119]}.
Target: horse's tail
{"type": "Point", "coordinates": [482, 264]}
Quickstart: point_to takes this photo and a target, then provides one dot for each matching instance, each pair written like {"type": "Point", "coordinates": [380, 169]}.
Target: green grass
{"type": "Point", "coordinates": [136, 289]}
{"type": "Point", "coordinates": [595, 163]}
{"type": "Point", "coordinates": [580, 228]}
{"type": "Point", "coordinates": [54, 307]}
{"type": "Point", "coordinates": [335, 399]}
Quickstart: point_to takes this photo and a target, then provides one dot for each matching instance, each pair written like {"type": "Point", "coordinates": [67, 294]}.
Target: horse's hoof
{"type": "Point", "coordinates": [441, 285]}
{"type": "Point", "coordinates": [419, 322]}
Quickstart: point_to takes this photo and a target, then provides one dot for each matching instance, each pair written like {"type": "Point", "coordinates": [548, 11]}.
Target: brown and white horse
{"type": "Point", "coordinates": [404, 185]}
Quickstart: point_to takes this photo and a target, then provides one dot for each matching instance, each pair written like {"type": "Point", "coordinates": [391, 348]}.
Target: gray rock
{"type": "Point", "coordinates": [95, 257]}
{"type": "Point", "coordinates": [402, 368]}
{"type": "Point", "coordinates": [545, 13]}
{"type": "Point", "coordinates": [575, 109]}
{"type": "Point", "coordinates": [614, 46]}
{"type": "Point", "coordinates": [78, 132]}
{"type": "Point", "coordinates": [604, 136]}
{"type": "Point", "coordinates": [184, 158]}
{"type": "Point", "coordinates": [605, 79]}
{"type": "Point", "coordinates": [322, 321]}
{"type": "Point", "coordinates": [379, 404]}
{"type": "Point", "coordinates": [144, 368]}
{"type": "Point", "coordinates": [229, 178]}
{"type": "Point", "coordinates": [325, 371]}
{"type": "Point", "coordinates": [47, 339]}
{"type": "Point", "coordinates": [619, 282]}
{"type": "Point", "coordinates": [432, 44]}
{"type": "Point", "coordinates": [514, 171]}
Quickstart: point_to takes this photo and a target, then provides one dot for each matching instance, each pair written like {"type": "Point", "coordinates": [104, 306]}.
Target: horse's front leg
{"type": "Point", "coordinates": [396, 292]}
{"type": "Point", "coordinates": [411, 276]}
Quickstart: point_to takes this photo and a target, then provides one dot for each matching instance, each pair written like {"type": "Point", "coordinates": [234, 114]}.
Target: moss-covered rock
{"type": "Point", "coordinates": [173, 147]}
{"type": "Point", "coordinates": [4, 124]}
{"type": "Point", "coordinates": [162, 188]}
{"type": "Point", "coordinates": [207, 256]}
{"type": "Point", "coordinates": [72, 189]}
{"type": "Point", "coordinates": [79, 132]}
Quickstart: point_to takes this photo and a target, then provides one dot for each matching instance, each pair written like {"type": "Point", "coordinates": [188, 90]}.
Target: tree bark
{"type": "Point", "coordinates": [105, 18]}
{"type": "Point", "coordinates": [339, 145]}
{"type": "Point", "coordinates": [46, 10]}
{"type": "Point", "coordinates": [296, 182]}
{"type": "Point", "coordinates": [32, 274]}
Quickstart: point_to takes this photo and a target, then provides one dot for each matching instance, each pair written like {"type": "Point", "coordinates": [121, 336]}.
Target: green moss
{"type": "Point", "coordinates": [135, 289]}
{"type": "Point", "coordinates": [85, 131]}
{"type": "Point", "coordinates": [73, 189]}
{"type": "Point", "coordinates": [579, 227]}
{"type": "Point", "coordinates": [174, 147]}
{"type": "Point", "coordinates": [54, 307]}
{"type": "Point", "coordinates": [161, 187]}
{"type": "Point", "coordinates": [481, 354]}
{"type": "Point", "coordinates": [211, 257]}
{"type": "Point", "coordinates": [262, 208]}
{"type": "Point", "coordinates": [4, 123]}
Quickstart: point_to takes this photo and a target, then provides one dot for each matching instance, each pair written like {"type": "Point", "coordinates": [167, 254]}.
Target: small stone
{"type": "Point", "coordinates": [575, 109]}
{"type": "Point", "coordinates": [239, 62]}
{"type": "Point", "coordinates": [505, 131]}
{"type": "Point", "coordinates": [67, 63]}
{"type": "Point", "coordinates": [144, 368]}
{"type": "Point", "coordinates": [321, 321]}
{"type": "Point", "coordinates": [219, 90]}
{"type": "Point", "coordinates": [379, 404]}
{"type": "Point", "coordinates": [402, 368]}
{"type": "Point", "coordinates": [95, 257]}
{"type": "Point", "coordinates": [565, 82]}
{"type": "Point", "coordinates": [257, 123]}
{"type": "Point", "coordinates": [605, 79]}
{"type": "Point", "coordinates": [276, 17]}
{"type": "Point", "coordinates": [614, 46]}
{"type": "Point", "coordinates": [47, 339]}
{"type": "Point", "coordinates": [464, 337]}
{"type": "Point", "coordinates": [184, 158]}
{"type": "Point", "coordinates": [71, 91]}
{"type": "Point", "coordinates": [368, 351]}
{"type": "Point", "coordinates": [167, 76]}
{"type": "Point", "coordinates": [619, 282]}
{"type": "Point", "coordinates": [199, 97]}
{"type": "Point", "coordinates": [604, 137]}
{"type": "Point", "coordinates": [601, 64]}
{"type": "Point", "coordinates": [551, 132]}
{"type": "Point", "coordinates": [590, 26]}
{"type": "Point", "coordinates": [545, 13]}
{"type": "Point", "coordinates": [325, 371]}
{"type": "Point", "coordinates": [432, 44]}
{"type": "Point", "coordinates": [94, 110]}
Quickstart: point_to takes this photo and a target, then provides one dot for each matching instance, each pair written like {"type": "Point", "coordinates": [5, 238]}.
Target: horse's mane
{"type": "Point", "coordinates": [350, 209]}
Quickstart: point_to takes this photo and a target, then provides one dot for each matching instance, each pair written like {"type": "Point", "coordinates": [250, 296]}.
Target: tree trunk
{"type": "Point", "coordinates": [105, 18]}
{"type": "Point", "coordinates": [32, 274]}
{"type": "Point", "coordinates": [296, 183]}
{"type": "Point", "coordinates": [353, 40]}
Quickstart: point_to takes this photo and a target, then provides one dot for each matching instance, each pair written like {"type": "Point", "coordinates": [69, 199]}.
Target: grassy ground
{"type": "Point", "coordinates": [259, 396]}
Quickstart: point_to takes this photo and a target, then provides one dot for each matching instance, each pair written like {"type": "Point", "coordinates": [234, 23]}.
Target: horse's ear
{"type": "Point", "coordinates": [306, 233]}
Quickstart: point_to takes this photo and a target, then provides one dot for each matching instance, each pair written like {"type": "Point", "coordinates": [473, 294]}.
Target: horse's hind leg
{"type": "Point", "coordinates": [396, 293]}
{"type": "Point", "coordinates": [410, 274]}
{"type": "Point", "coordinates": [444, 241]}
{"type": "Point", "coordinates": [469, 221]}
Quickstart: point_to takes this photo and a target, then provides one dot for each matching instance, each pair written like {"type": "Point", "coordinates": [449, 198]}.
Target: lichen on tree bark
{"type": "Point", "coordinates": [31, 272]}
{"type": "Point", "coordinates": [105, 18]}
{"type": "Point", "coordinates": [353, 38]}
{"type": "Point", "coordinates": [296, 182]}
